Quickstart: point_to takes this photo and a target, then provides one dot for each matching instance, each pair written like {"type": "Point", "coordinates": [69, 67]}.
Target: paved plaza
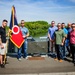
{"type": "Point", "coordinates": [48, 66]}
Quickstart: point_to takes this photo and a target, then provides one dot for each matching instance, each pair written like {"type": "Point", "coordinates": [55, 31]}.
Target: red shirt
{"type": "Point", "coordinates": [72, 37]}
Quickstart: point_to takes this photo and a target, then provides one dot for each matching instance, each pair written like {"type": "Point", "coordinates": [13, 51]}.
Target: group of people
{"type": "Point", "coordinates": [63, 38]}
{"type": "Point", "coordinates": [3, 42]}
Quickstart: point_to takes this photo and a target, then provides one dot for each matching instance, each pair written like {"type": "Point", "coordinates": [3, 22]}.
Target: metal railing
{"type": "Point", "coordinates": [40, 45]}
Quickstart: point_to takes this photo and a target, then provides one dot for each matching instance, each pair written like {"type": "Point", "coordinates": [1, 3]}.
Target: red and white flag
{"type": "Point", "coordinates": [16, 36]}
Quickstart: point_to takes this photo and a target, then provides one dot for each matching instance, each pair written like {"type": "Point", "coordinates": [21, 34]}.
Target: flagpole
{"type": "Point", "coordinates": [13, 15]}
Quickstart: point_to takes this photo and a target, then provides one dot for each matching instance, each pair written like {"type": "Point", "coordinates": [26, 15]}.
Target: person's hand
{"type": "Point", "coordinates": [2, 47]}
{"type": "Point", "coordinates": [24, 37]}
{"type": "Point", "coordinates": [62, 44]}
{"type": "Point", "coordinates": [52, 40]}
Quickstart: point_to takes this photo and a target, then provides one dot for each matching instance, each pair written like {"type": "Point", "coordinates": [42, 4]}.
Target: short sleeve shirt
{"type": "Point", "coordinates": [3, 34]}
{"type": "Point", "coordinates": [59, 35]}
{"type": "Point", "coordinates": [72, 37]}
{"type": "Point", "coordinates": [65, 30]}
{"type": "Point", "coordinates": [24, 31]}
{"type": "Point", "coordinates": [51, 31]}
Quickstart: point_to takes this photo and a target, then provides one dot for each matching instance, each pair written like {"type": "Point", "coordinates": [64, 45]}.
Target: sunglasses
{"type": "Point", "coordinates": [73, 26]}
{"type": "Point", "coordinates": [53, 23]}
{"type": "Point", "coordinates": [22, 23]}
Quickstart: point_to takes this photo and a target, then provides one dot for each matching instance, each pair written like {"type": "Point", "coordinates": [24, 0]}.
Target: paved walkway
{"type": "Point", "coordinates": [38, 67]}
{"type": "Point", "coordinates": [62, 73]}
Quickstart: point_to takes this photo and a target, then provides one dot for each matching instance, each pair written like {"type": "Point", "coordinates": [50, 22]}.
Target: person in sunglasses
{"type": "Point", "coordinates": [23, 48]}
{"type": "Point", "coordinates": [51, 31]}
{"type": "Point", "coordinates": [72, 42]}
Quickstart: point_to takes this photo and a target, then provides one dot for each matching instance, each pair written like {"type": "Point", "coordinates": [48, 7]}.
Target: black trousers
{"type": "Point", "coordinates": [72, 46]}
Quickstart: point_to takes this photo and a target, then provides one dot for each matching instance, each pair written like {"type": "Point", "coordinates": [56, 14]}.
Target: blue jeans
{"type": "Point", "coordinates": [59, 51]}
{"type": "Point", "coordinates": [24, 48]}
{"type": "Point", "coordinates": [64, 51]}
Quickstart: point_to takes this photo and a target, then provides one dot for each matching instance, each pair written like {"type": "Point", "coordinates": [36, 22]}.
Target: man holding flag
{"type": "Point", "coordinates": [18, 35]}
{"type": "Point", "coordinates": [25, 33]}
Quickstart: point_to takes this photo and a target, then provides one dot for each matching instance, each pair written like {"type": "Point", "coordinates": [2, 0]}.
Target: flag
{"type": "Point", "coordinates": [16, 36]}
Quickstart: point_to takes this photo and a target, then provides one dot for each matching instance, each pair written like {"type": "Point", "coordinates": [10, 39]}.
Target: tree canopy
{"type": "Point", "coordinates": [37, 28]}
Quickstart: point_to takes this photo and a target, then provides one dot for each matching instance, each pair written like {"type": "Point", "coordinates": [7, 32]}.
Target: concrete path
{"type": "Point", "coordinates": [38, 67]}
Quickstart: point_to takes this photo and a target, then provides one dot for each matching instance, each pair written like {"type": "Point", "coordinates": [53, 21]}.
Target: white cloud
{"type": "Point", "coordinates": [46, 10]}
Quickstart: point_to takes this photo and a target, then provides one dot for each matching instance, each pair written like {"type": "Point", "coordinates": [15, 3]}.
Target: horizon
{"type": "Point", "coordinates": [36, 10]}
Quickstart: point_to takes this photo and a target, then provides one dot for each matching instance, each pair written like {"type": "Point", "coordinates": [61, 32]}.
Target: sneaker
{"type": "Point", "coordinates": [19, 59]}
{"type": "Point", "coordinates": [2, 65]}
{"type": "Point", "coordinates": [64, 57]}
{"type": "Point", "coordinates": [26, 58]}
{"type": "Point", "coordinates": [60, 60]}
{"type": "Point", "coordinates": [55, 59]}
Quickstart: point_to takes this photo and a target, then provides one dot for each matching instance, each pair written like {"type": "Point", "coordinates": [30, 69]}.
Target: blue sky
{"type": "Point", "coordinates": [33, 10]}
